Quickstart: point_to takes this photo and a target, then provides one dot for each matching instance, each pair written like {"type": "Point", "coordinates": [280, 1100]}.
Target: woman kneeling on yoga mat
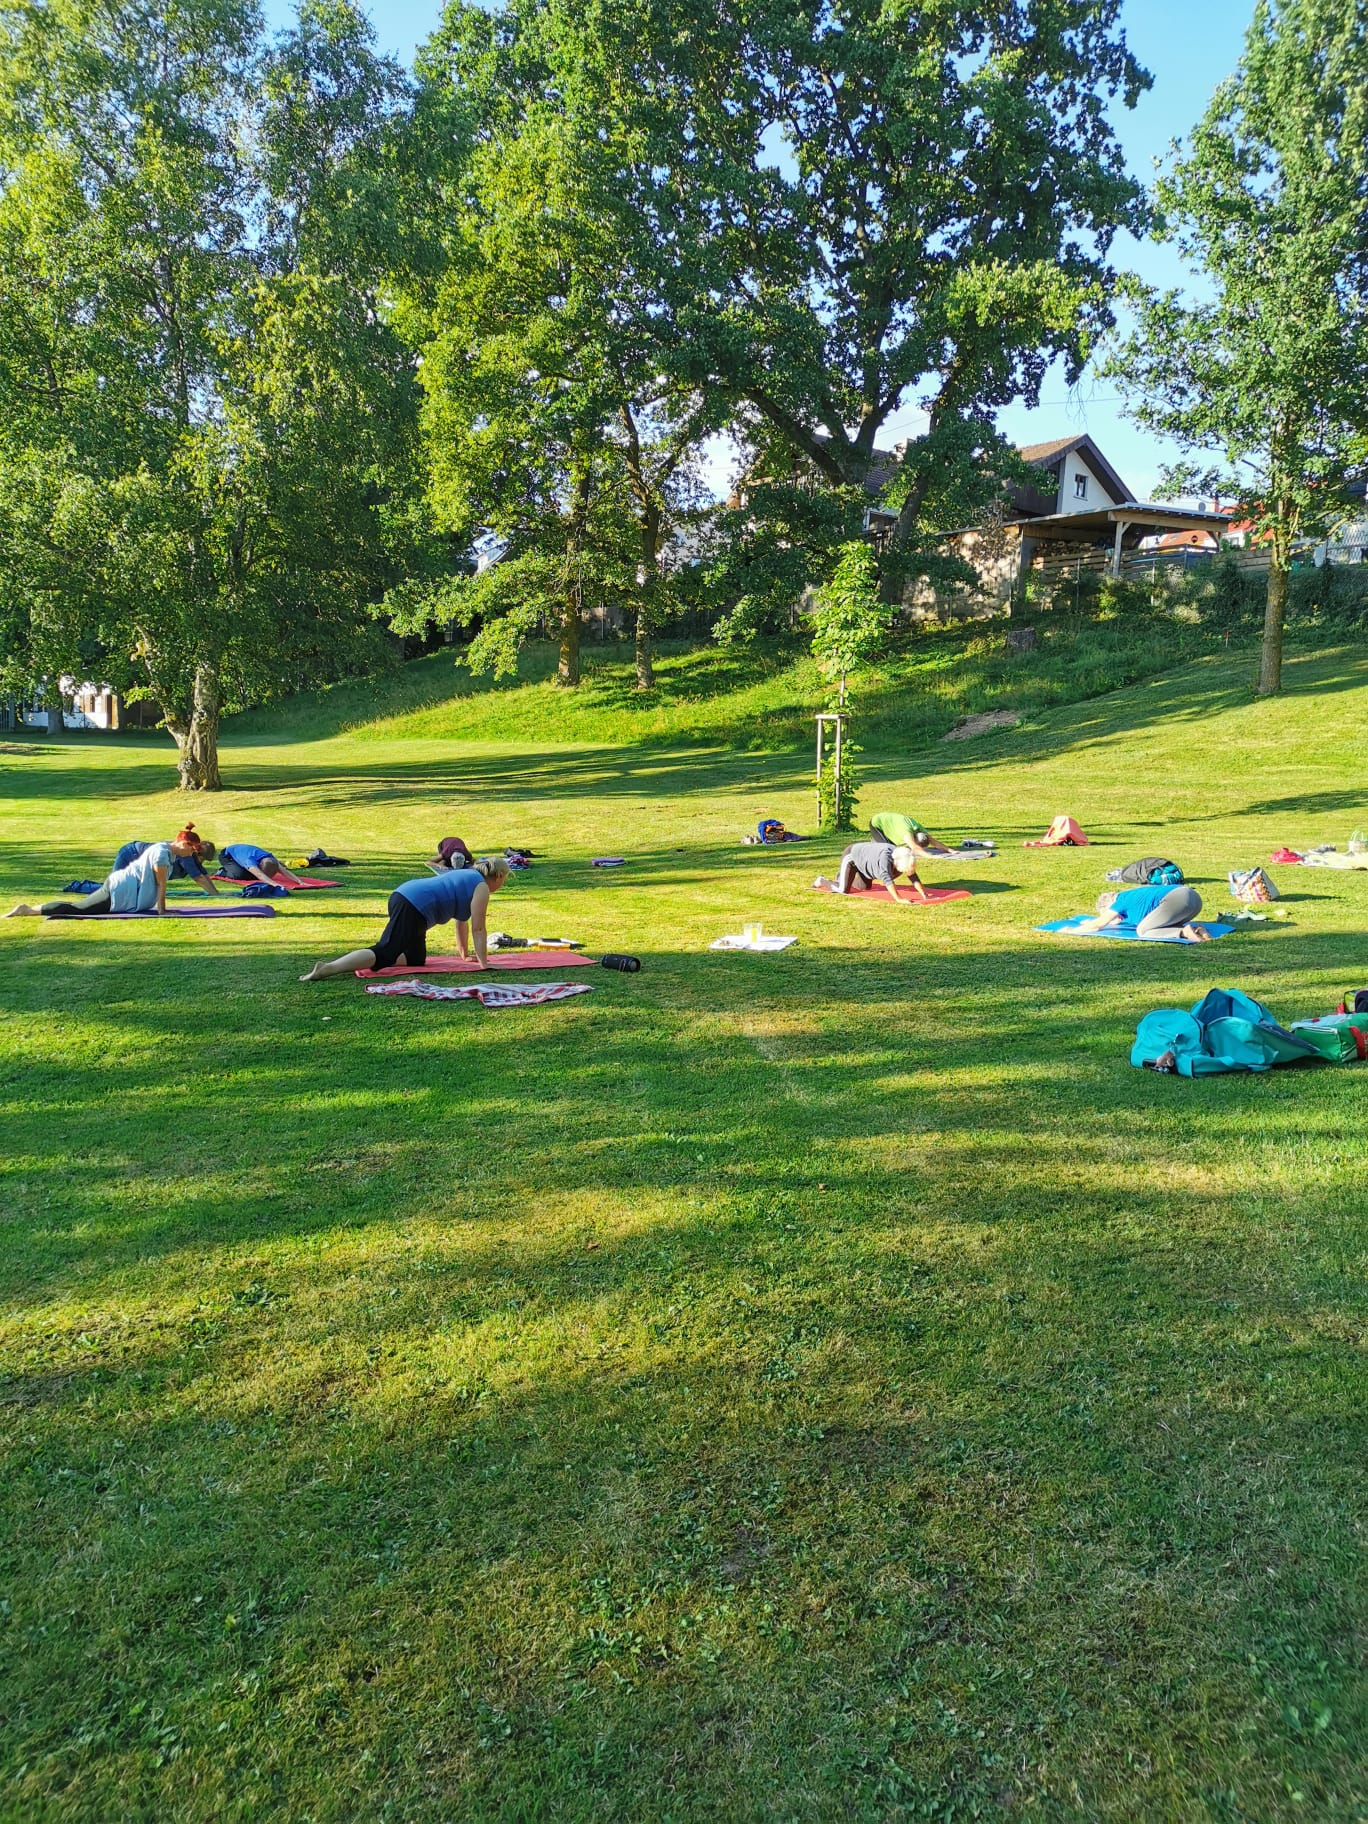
{"type": "Point", "coordinates": [461, 894]}
{"type": "Point", "coordinates": [245, 861]}
{"type": "Point", "coordinates": [864, 863]}
{"type": "Point", "coordinates": [140, 887]}
{"type": "Point", "coordinates": [183, 867]}
{"type": "Point", "coordinates": [1152, 912]}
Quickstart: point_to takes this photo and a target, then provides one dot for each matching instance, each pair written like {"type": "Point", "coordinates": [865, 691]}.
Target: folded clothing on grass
{"type": "Point", "coordinates": [762, 943]}
{"type": "Point", "coordinates": [457, 965]}
{"type": "Point", "coordinates": [503, 940]}
{"type": "Point", "coordinates": [179, 912]}
{"type": "Point", "coordinates": [935, 896]}
{"type": "Point", "coordinates": [535, 994]}
{"type": "Point", "coordinates": [1080, 918]}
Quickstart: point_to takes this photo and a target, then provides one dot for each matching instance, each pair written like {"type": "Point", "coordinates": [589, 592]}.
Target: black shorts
{"type": "Point", "coordinates": [405, 935]}
{"type": "Point", "coordinates": [234, 869]}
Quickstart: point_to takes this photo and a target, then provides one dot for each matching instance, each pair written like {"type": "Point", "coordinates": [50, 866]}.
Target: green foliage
{"type": "Point", "coordinates": [559, 433]}
{"type": "Point", "coordinates": [850, 619]}
{"type": "Point", "coordinates": [857, 206]}
{"type": "Point", "coordinates": [206, 428]}
{"type": "Point", "coordinates": [836, 796]}
{"type": "Point", "coordinates": [1266, 380]}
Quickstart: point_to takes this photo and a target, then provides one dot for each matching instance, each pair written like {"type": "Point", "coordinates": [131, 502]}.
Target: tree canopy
{"type": "Point", "coordinates": [1265, 378]}
{"type": "Point", "coordinates": [205, 421]}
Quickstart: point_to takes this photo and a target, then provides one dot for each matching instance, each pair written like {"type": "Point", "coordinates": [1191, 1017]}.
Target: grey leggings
{"type": "Point", "coordinates": [98, 901]}
{"type": "Point", "coordinates": [1178, 907]}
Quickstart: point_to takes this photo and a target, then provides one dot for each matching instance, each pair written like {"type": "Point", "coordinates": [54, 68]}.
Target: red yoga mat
{"type": "Point", "coordinates": [935, 896]}
{"type": "Point", "coordinates": [515, 959]}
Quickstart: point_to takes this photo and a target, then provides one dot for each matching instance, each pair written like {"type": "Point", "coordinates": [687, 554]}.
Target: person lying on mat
{"type": "Point", "coordinates": [140, 887]}
{"type": "Point", "coordinates": [864, 863]}
{"type": "Point", "coordinates": [245, 861]}
{"type": "Point", "coordinates": [183, 867]}
{"type": "Point", "coordinates": [461, 894]}
{"type": "Point", "coordinates": [1151, 912]}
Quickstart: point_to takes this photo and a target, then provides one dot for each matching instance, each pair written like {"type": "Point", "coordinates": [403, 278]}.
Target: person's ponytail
{"type": "Point", "coordinates": [492, 869]}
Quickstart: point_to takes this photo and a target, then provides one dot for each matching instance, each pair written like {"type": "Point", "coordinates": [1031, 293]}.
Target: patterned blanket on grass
{"type": "Point", "coordinates": [533, 995]}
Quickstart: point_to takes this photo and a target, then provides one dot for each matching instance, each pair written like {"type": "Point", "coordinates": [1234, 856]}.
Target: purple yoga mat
{"type": "Point", "coordinates": [173, 912]}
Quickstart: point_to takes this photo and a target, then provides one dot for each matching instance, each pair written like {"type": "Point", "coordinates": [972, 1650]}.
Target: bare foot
{"type": "Point", "coordinates": [1197, 934]}
{"type": "Point", "coordinates": [312, 976]}
{"type": "Point", "coordinates": [23, 912]}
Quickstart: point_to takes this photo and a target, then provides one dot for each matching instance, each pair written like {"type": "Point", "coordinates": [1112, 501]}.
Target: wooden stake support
{"type": "Point", "coordinates": [830, 726]}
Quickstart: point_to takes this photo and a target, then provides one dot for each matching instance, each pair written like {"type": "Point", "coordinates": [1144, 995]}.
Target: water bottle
{"type": "Point", "coordinates": [627, 964]}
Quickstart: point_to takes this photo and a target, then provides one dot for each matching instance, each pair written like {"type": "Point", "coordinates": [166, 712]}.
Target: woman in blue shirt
{"type": "Point", "coordinates": [1152, 912]}
{"type": "Point", "coordinates": [245, 861]}
{"type": "Point", "coordinates": [461, 894]}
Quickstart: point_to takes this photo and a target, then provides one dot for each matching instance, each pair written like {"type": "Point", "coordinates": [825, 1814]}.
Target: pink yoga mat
{"type": "Point", "coordinates": [936, 896]}
{"type": "Point", "coordinates": [515, 959]}
{"type": "Point", "coordinates": [305, 881]}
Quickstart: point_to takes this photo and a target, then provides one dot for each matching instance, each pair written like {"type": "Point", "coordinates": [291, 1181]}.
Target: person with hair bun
{"type": "Point", "coordinates": [183, 867]}
{"type": "Point", "coordinates": [459, 894]}
{"type": "Point", "coordinates": [246, 861]}
{"type": "Point", "coordinates": [139, 887]}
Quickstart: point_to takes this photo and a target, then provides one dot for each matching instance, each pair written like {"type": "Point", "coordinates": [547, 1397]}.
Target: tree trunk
{"type": "Point", "coordinates": [56, 711]}
{"type": "Point", "coordinates": [1275, 613]}
{"type": "Point", "coordinates": [568, 668]}
{"type": "Point", "coordinates": [649, 583]}
{"type": "Point", "coordinates": [197, 738]}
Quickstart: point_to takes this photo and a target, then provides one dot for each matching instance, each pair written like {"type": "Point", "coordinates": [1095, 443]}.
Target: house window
{"type": "Point", "coordinates": [1080, 487]}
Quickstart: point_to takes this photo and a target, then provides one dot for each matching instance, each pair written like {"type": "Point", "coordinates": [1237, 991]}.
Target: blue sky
{"type": "Point", "coordinates": [1187, 45]}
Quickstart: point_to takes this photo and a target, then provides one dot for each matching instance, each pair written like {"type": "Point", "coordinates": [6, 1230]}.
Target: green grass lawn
{"type": "Point", "coordinates": [821, 1386]}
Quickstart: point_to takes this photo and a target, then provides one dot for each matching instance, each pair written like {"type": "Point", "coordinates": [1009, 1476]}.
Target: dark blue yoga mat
{"type": "Point", "coordinates": [1123, 931]}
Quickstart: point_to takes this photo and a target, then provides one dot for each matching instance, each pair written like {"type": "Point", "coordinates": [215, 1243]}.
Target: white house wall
{"type": "Point", "coordinates": [1099, 494]}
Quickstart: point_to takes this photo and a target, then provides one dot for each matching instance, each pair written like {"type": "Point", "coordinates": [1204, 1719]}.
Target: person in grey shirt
{"type": "Point", "coordinates": [865, 864]}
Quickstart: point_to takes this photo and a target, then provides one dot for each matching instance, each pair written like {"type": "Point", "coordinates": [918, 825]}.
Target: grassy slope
{"type": "Point", "coordinates": [816, 1386]}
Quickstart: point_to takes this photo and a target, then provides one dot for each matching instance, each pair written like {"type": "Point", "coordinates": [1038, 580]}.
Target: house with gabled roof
{"type": "Point", "coordinates": [1080, 515]}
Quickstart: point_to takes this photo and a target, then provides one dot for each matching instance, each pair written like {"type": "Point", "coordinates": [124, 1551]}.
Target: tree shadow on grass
{"type": "Point", "coordinates": [917, 1467]}
{"type": "Point", "coordinates": [827, 1048]}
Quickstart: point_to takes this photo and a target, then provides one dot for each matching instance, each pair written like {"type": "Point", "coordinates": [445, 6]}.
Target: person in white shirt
{"type": "Point", "coordinates": [140, 887]}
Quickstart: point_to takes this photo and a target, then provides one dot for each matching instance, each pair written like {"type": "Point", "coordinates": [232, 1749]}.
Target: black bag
{"type": "Point", "coordinates": [1141, 873]}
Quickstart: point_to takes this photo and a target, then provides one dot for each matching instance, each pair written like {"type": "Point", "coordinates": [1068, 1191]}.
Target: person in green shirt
{"type": "Point", "coordinates": [905, 832]}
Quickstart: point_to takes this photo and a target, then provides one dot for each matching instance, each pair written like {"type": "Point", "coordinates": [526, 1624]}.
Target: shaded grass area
{"type": "Point", "coordinates": [825, 1385]}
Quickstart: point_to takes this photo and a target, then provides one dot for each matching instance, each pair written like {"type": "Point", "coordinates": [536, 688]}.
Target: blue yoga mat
{"type": "Point", "coordinates": [1124, 931]}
